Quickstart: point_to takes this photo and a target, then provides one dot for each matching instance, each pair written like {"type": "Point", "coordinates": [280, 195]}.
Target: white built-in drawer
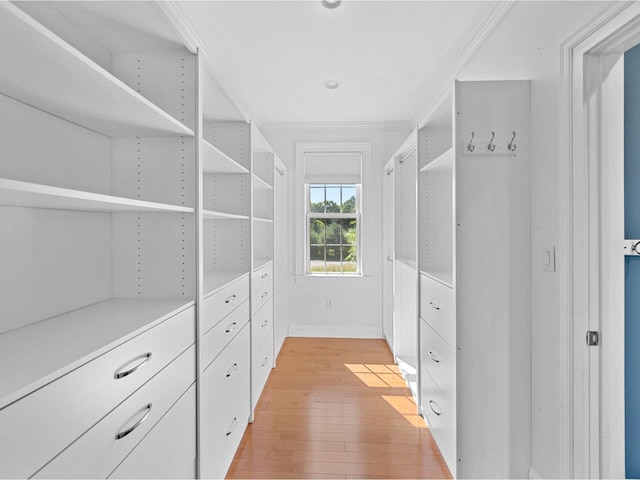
{"type": "Point", "coordinates": [224, 407]}
{"type": "Point", "coordinates": [169, 450]}
{"type": "Point", "coordinates": [261, 296]}
{"type": "Point", "coordinates": [101, 449]}
{"type": "Point", "coordinates": [217, 306]}
{"type": "Point", "coordinates": [261, 276]}
{"type": "Point", "coordinates": [39, 426]}
{"type": "Point", "coordinates": [218, 337]}
{"type": "Point", "coordinates": [438, 358]}
{"type": "Point", "coordinates": [262, 326]}
{"type": "Point", "coordinates": [441, 418]}
{"type": "Point", "coordinates": [261, 368]}
{"type": "Point", "coordinates": [437, 308]}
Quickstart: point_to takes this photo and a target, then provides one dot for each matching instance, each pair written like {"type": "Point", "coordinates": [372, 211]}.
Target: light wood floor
{"type": "Point", "coordinates": [337, 408]}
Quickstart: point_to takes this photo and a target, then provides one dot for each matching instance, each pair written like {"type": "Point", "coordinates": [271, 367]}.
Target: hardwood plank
{"type": "Point", "coordinates": [337, 408]}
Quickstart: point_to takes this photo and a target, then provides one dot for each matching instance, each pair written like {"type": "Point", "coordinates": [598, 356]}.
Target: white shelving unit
{"type": "Point", "coordinates": [474, 260]}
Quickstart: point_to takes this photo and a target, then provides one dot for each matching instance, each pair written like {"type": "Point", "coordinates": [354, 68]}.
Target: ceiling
{"type": "Point", "coordinates": [390, 57]}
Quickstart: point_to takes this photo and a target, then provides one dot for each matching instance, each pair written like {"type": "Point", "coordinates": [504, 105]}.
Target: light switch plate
{"type": "Point", "coordinates": [549, 258]}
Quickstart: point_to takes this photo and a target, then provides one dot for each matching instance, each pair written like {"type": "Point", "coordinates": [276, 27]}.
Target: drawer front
{"type": "Point", "coordinates": [262, 326]}
{"type": "Point", "coordinates": [439, 359]}
{"type": "Point", "coordinates": [441, 417]}
{"type": "Point", "coordinates": [217, 306]}
{"type": "Point", "coordinates": [261, 276]}
{"type": "Point", "coordinates": [261, 368]}
{"type": "Point", "coordinates": [261, 296]}
{"type": "Point", "coordinates": [224, 408]}
{"type": "Point", "coordinates": [169, 450]}
{"type": "Point", "coordinates": [216, 339]}
{"type": "Point", "coordinates": [100, 450]}
{"type": "Point", "coordinates": [39, 426]}
{"type": "Point", "coordinates": [437, 308]}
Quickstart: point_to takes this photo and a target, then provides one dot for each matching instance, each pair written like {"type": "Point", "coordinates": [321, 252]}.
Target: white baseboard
{"type": "Point", "coordinates": [334, 331]}
{"type": "Point", "coordinates": [533, 475]}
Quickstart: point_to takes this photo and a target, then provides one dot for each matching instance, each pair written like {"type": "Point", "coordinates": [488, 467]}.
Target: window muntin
{"type": "Point", "coordinates": [333, 232]}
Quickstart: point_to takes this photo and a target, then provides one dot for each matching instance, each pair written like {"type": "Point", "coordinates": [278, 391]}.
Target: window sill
{"type": "Point", "coordinates": [302, 279]}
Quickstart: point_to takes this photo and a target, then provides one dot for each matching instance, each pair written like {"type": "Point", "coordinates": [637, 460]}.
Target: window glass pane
{"type": "Point", "coordinates": [349, 231]}
{"type": "Point", "coordinates": [333, 231]}
{"type": "Point", "coordinates": [333, 199]}
{"type": "Point", "coordinates": [316, 231]}
{"type": "Point", "coordinates": [316, 259]}
{"type": "Point", "coordinates": [349, 259]}
{"type": "Point", "coordinates": [333, 260]}
{"type": "Point", "coordinates": [316, 199]}
{"type": "Point", "coordinates": [348, 199]}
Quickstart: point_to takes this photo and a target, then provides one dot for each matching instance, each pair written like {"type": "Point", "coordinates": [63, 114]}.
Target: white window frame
{"type": "Point", "coordinates": [301, 201]}
{"type": "Point", "coordinates": [338, 216]}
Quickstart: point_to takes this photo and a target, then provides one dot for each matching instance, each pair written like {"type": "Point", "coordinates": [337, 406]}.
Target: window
{"type": "Point", "coordinates": [333, 212]}
{"type": "Point", "coordinates": [332, 220]}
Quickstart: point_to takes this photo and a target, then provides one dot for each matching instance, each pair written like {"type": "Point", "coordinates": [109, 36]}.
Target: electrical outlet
{"type": "Point", "coordinates": [549, 258]}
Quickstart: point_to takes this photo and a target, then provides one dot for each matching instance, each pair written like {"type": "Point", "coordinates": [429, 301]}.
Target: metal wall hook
{"type": "Point", "coordinates": [512, 146]}
{"type": "Point", "coordinates": [470, 146]}
{"type": "Point", "coordinates": [492, 146]}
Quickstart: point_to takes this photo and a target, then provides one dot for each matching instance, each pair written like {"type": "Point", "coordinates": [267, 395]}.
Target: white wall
{"type": "Point", "coordinates": [526, 45]}
{"type": "Point", "coordinates": [357, 302]}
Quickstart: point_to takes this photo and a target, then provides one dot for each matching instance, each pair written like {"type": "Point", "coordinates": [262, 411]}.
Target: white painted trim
{"type": "Point", "coordinates": [533, 475]}
{"type": "Point", "coordinates": [487, 26]}
{"type": "Point", "coordinates": [576, 274]}
{"type": "Point", "coordinates": [368, 126]}
{"type": "Point", "coordinates": [334, 331]}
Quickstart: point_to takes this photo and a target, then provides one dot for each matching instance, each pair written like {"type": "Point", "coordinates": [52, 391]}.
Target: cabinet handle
{"type": "Point", "coordinates": [232, 370]}
{"type": "Point", "coordinates": [436, 410]}
{"type": "Point", "coordinates": [126, 432]}
{"type": "Point", "coordinates": [231, 327]}
{"type": "Point", "coordinates": [232, 427]}
{"type": "Point", "coordinates": [265, 323]}
{"type": "Point", "coordinates": [434, 356]}
{"type": "Point", "coordinates": [230, 298]}
{"type": "Point", "coordinates": [435, 306]}
{"type": "Point", "coordinates": [264, 275]}
{"type": "Point", "coordinates": [264, 294]}
{"type": "Point", "coordinates": [145, 357]}
{"type": "Point", "coordinates": [264, 362]}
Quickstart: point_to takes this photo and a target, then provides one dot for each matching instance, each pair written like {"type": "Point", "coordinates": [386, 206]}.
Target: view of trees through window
{"type": "Point", "coordinates": [333, 228]}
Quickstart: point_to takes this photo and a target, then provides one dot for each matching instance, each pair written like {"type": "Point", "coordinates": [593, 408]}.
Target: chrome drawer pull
{"type": "Point", "coordinates": [231, 327]}
{"type": "Point", "coordinates": [435, 306]}
{"type": "Point", "coordinates": [232, 370]}
{"type": "Point", "coordinates": [266, 359]}
{"type": "Point", "coordinates": [264, 275]}
{"type": "Point", "coordinates": [232, 427]}
{"type": "Point", "coordinates": [230, 298]}
{"type": "Point", "coordinates": [436, 410]}
{"type": "Point", "coordinates": [434, 356]}
{"type": "Point", "coordinates": [264, 294]}
{"type": "Point", "coordinates": [146, 357]}
{"type": "Point", "coordinates": [126, 432]}
{"type": "Point", "coordinates": [265, 323]}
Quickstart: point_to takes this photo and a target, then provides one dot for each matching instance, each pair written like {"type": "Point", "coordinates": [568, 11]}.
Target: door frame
{"type": "Point", "coordinates": [590, 165]}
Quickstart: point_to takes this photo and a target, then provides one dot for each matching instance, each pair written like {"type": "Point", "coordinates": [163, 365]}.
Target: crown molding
{"type": "Point", "coordinates": [487, 26]}
{"type": "Point", "coordinates": [181, 21]}
{"type": "Point", "coordinates": [377, 126]}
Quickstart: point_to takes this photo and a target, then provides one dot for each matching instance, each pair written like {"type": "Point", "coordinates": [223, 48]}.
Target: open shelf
{"type": "Point", "coordinates": [39, 63]}
{"type": "Point", "coordinates": [53, 347]}
{"type": "Point", "coordinates": [24, 194]}
{"type": "Point", "coordinates": [212, 215]}
{"type": "Point", "coordinates": [265, 220]}
{"type": "Point", "coordinates": [214, 281]}
{"type": "Point", "coordinates": [260, 184]}
{"type": "Point", "coordinates": [216, 161]}
{"type": "Point", "coordinates": [261, 262]}
{"type": "Point", "coordinates": [441, 163]}
{"type": "Point", "coordinates": [441, 276]}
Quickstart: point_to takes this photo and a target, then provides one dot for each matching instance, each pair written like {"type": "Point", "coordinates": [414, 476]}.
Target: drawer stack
{"type": "Point", "coordinates": [438, 362]}
{"type": "Point", "coordinates": [225, 387]}
{"type": "Point", "coordinates": [85, 423]}
{"type": "Point", "coordinates": [261, 330]}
